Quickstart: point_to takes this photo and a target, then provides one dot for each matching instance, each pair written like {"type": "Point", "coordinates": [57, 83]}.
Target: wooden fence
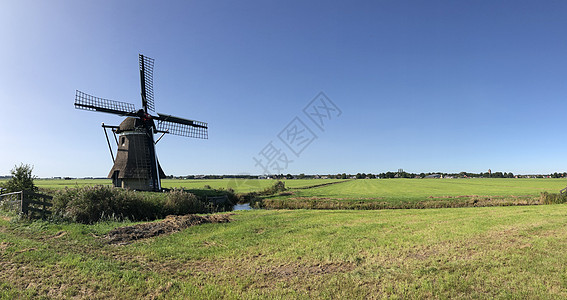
{"type": "Point", "coordinates": [29, 203]}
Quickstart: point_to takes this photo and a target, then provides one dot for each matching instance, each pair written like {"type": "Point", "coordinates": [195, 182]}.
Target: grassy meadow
{"type": "Point", "coordinates": [473, 252]}
{"type": "Point", "coordinates": [425, 188]}
{"type": "Point", "coordinates": [417, 193]}
{"type": "Point", "coordinates": [61, 183]}
{"type": "Point", "coordinates": [239, 185]}
{"type": "Point", "coordinates": [486, 252]}
{"type": "Point", "coordinates": [357, 189]}
{"type": "Point", "coordinates": [365, 193]}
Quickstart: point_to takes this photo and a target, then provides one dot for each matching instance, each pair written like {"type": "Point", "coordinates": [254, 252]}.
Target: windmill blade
{"type": "Point", "coordinates": [147, 82]}
{"type": "Point", "coordinates": [182, 127]}
{"type": "Point", "coordinates": [88, 102]}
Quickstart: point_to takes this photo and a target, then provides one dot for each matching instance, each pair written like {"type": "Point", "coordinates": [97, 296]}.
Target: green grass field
{"type": "Point", "coordinates": [417, 193]}
{"type": "Point", "coordinates": [369, 193]}
{"type": "Point", "coordinates": [480, 252]}
{"type": "Point", "coordinates": [60, 183]}
{"type": "Point", "coordinates": [496, 252]}
{"type": "Point", "coordinates": [425, 188]}
{"type": "Point", "coordinates": [358, 189]}
{"type": "Point", "coordinates": [239, 185]}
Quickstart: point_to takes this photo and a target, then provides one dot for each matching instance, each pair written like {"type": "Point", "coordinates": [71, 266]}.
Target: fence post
{"type": "Point", "coordinates": [23, 204]}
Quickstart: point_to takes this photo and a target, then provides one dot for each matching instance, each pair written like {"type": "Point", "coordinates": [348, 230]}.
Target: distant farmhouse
{"type": "Point", "coordinates": [433, 176]}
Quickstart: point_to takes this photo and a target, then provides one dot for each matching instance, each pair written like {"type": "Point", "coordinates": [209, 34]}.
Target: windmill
{"type": "Point", "coordinates": [136, 165]}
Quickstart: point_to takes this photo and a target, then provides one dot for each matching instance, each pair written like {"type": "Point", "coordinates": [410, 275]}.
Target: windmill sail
{"type": "Point", "coordinates": [147, 82]}
{"type": "Point", "coordinates": [88, 102]}
{"type": "Point", "coordinates": [182, 127]}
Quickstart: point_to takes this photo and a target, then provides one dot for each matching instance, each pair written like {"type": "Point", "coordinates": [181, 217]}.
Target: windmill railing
{"type": "Point", "coordinates": [27, 203]}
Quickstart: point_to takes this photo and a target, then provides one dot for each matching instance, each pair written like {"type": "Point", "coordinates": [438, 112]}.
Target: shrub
{"type": "Point", "coordinates": [179, 202]}
{"type": "Point", "coordinates": [22, 180]}
{"type": "Point", "coordinates": [232, 196]}
{"type": "Point", "coordinates": [90, 204]}
{"type": "Point", "coordinates": [547, 198]}
{"type": "Point", "coordinates": [279, 186]}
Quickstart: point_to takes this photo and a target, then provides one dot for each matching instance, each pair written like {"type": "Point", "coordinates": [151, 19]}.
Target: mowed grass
{"type": "Point", "coordinates": [497, 252]}
{"type": "Point", "coordinates": [418, 193]}
{"type": "Point", "coordinates": [239, 185]}
{"type": "Point", "coordinates": [357, 189]}
{"type": "Point", "coordinates": [425, 188]}
{"type": "Point", "coordinates": [369, 193]}
{"type": "Point", "coordinates": [61, 183]}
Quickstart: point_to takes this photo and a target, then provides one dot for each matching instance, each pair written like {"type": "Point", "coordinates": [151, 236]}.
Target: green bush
{"type": "Point", "coordinates": [547, 198]}
{"type": "Point", "coordinates": [255, 198]}
{"type": "Point", "coordinates": [277, 187]}
{"type": "Point", "coordinates": [90, 204]}
{"type": "Point", "coordinates": [179, 202]}
{"type": "Point", "coordinates": [22, 180]}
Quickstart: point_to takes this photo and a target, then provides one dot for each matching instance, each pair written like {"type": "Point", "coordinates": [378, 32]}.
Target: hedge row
{"type": "Point", "coordinates": [90, 204]}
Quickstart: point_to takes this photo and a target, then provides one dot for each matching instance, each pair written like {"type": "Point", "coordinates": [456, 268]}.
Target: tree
{"type": "Point", "coordinates": [22, 179]}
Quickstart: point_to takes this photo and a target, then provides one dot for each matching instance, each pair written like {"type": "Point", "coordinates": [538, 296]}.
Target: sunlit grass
{"type": "Point", "coordinates": [239, 185]}
{"type": "Point", "coordinates": [502, 252]}
{"type": "Point", "coordinates": [424, 188]}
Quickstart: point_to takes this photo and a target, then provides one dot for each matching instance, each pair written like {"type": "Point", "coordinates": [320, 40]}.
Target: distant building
{"type": "Point", "coordinates": [433, 176]}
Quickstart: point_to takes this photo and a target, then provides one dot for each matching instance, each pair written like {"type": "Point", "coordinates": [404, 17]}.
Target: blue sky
{"type": "Point", "coordinates": [422, 85]}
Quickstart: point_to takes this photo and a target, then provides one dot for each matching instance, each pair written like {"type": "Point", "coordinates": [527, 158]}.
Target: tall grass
{"type": "Point", "coordinates": [90, 204]}
{"type": "Point", "coordinates": [547, 198]}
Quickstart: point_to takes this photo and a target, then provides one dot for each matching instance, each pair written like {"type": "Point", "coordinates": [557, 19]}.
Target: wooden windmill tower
{"type": "Point", "coordinates": [136, 165]}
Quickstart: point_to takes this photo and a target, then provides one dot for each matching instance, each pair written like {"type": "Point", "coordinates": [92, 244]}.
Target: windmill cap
{"type": "Point", "coordinates": [129, 124]}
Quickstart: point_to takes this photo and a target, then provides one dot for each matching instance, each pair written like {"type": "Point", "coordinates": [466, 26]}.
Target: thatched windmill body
{"type": "Point", "coordinates": [136, 165]}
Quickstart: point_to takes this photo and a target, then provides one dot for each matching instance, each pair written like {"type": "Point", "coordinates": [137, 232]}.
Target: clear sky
{"type": "Point", "coordinates": [421, 85]}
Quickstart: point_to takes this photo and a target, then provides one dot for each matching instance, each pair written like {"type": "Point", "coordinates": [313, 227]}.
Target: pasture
{"type": "Point", "coordinates": [238, 185]}
{"type": "Point", "coordinates": [358, 189]}
{"type": "Point", "coordinates": [480, 252]}
{"type": "Point", "coordinates": [486, 252]}
{"type": "Point", "coordinates": [417, 193]}
{"type": "Point", "coordinates": [425, 188]}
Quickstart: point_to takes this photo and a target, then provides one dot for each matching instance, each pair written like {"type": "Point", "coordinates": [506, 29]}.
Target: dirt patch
{"type": "Point", "coordinates": [126, 235]}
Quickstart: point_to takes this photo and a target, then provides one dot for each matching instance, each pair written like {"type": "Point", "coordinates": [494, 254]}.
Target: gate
{"type": "Point", "coordinates": [28, 203]}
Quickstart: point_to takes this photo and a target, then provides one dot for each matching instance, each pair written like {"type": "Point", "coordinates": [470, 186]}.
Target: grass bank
{"type": "Point", "coordinates": [500, 252]}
